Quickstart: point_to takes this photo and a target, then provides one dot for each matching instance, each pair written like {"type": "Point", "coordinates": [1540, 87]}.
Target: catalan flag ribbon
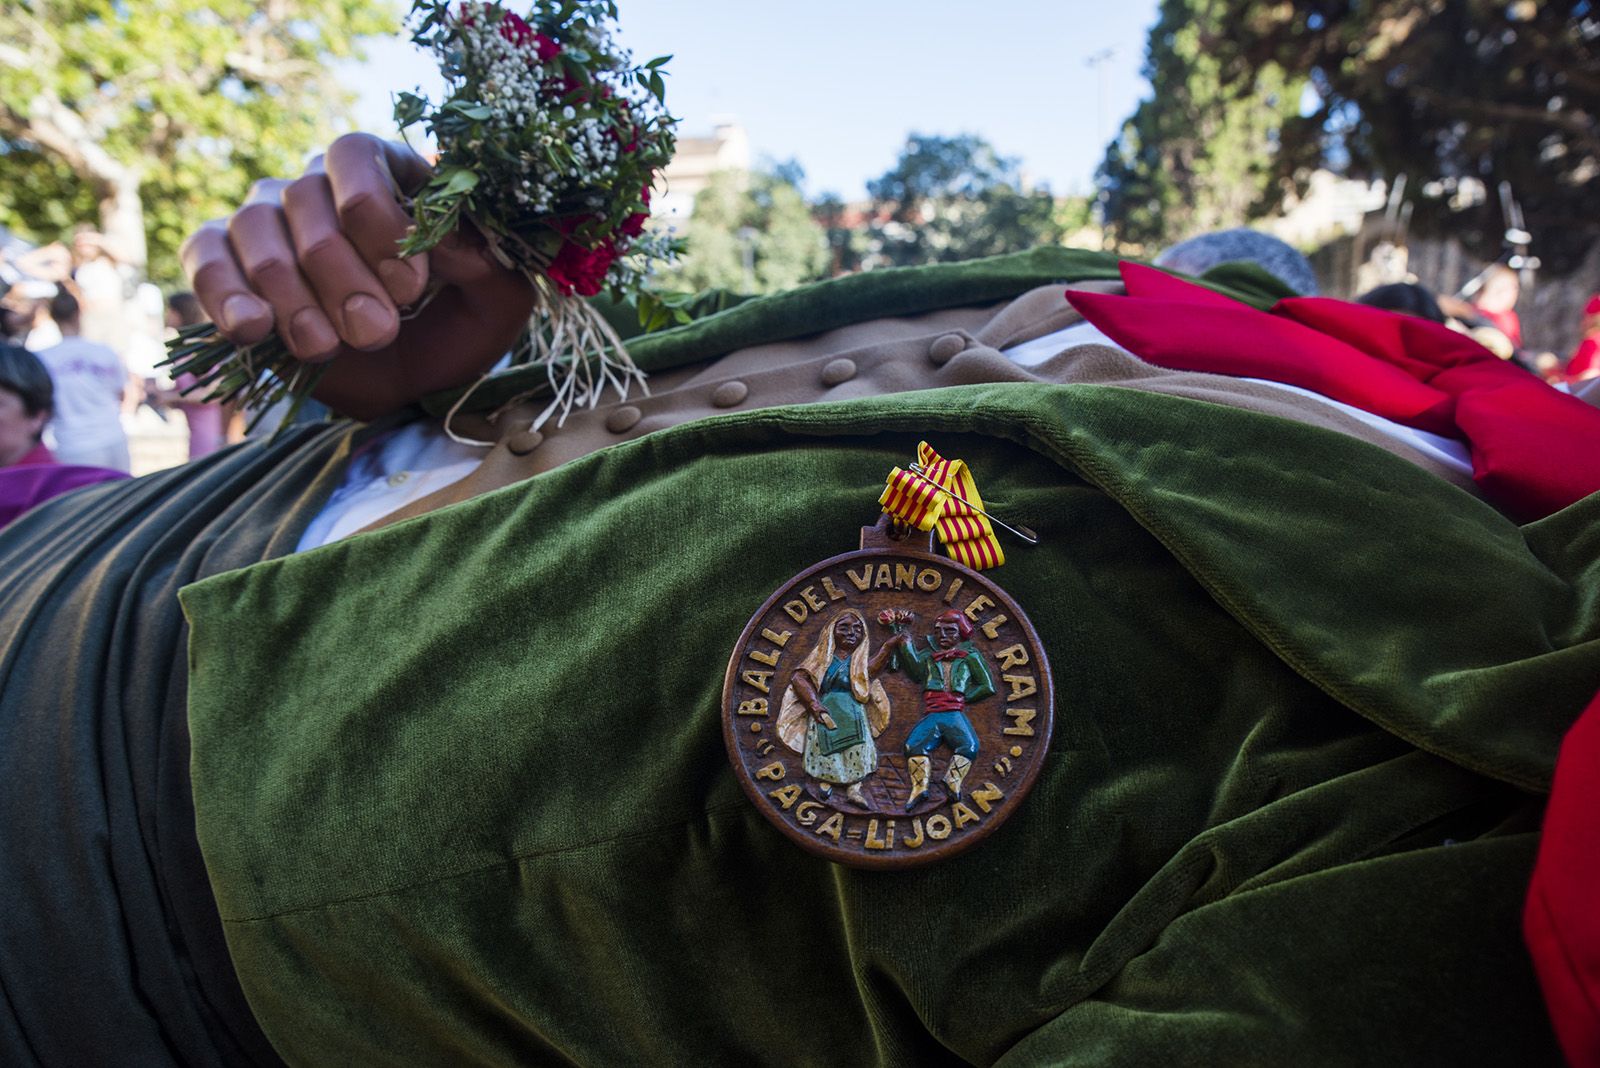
{"type": "Point", "coordinates": [941, 495]}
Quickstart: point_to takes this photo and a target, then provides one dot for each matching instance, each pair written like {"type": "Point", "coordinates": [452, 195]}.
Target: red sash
{"type": "Point", "coordinates": [1535, 450]}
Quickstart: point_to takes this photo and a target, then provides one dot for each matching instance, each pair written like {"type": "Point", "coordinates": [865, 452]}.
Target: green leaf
{"type": "Point", "coordinates": [574, 68]}
{"type": "Point", "coordinates": [455, 181]}
{"type": "Point", "coordinates": [475, 112]}
{"type": "Point", "coordinates": [408, 109]}
{"type": "Point", "coordinates": [659, 61]}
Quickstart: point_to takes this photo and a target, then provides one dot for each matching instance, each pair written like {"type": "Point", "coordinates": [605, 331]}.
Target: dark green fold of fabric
{"type": "Point", "coordinates": [1247, 281]}
{"type": "Point", "coordinates": [461, 788]}
{"type": "Point", "coordinates": [111, 950]}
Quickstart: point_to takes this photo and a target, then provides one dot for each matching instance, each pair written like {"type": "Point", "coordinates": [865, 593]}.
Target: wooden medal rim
{"type": "Point", "coordinates": [1043, 725]}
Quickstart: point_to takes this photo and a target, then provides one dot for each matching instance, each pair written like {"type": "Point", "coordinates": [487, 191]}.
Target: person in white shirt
{"type": "Point", "coordinates": [89, 380]}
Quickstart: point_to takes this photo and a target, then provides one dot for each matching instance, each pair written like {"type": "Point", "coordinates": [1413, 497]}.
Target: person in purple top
{"type": "Point", "coordinates": [29, 472]}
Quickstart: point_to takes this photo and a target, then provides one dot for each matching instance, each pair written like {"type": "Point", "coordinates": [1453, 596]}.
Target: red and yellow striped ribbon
{"type": "Point", "coordinates": [967, 536]}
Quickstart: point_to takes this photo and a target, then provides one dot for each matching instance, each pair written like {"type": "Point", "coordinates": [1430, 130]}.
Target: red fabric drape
{"type": "Point", "coordinates": [1561, 921]}
{"type": "Point", "coordinates": [1193, 329]}
{"type": "Point", "coordinates": [1534, 449]}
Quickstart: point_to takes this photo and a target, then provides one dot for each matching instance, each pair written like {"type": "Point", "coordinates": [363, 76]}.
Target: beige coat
{"type": "Point", "coordinates": [950, 347]}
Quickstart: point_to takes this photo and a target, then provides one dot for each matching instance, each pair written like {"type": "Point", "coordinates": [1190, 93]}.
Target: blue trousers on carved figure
{"type": "Point", "coordinates": [951, 729]}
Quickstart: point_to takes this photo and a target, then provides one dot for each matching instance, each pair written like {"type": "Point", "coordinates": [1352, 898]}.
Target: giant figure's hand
{"type": "Point", "coordinates": [315, 259]}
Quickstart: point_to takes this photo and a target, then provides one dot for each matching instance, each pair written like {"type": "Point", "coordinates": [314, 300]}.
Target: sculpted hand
{"type": "Point", "coordinates": [316, 260]}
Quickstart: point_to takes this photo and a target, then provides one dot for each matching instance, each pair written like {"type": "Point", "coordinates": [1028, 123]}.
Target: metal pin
{"type": "Point", "coordinates": [1025, 533]}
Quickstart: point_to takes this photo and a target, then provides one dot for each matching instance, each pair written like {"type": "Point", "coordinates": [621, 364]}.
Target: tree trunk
{"type": "Point", "coordinates": [55, 127]}
{"type": "Point", "coordinates": [122, 221]}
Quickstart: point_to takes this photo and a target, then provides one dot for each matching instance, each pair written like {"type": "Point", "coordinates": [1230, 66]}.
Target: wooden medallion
{"type": "Point", "coordinates": [888, 707]}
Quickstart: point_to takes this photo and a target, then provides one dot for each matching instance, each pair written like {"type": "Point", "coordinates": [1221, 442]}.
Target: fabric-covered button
{"type": "Point", "coordinates": [841, 370]}
{"type": "Point", "coordinates": [523, 443]}
{"type": "Point", "coordinates": [945, 346]}
{"type": "Point", "coordinates": [729, 393]}
{"type": "Point", "coordinates": [399, 478]}
{"type": "Point", "coordinates": [621, 420]}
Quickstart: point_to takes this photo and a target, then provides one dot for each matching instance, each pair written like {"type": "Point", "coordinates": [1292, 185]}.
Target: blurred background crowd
{"type": "Point", "coordinates": [99, 330]}
{"type": "Point", "coordinates": [1440, 159]}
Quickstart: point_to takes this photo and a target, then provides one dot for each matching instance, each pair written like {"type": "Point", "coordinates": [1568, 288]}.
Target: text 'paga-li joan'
{"type": "Point", "coordinates": [878, 833]}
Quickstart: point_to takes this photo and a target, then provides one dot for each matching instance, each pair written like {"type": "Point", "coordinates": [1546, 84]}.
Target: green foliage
{"type": "Point", "coordinates": [1447, 92]}
{"type": "Point", "coordinates": [940, 168]}
{"type": "Point", "coordinates": [848, 247]}
{"type": "Point", "coordinates": [1455, 95]}
{"type": "Point", "coordinates": [189, 101]}
{"type": "Point", "coordinates": [956, 198]}
{"type": "Point", "coordinates": [41, 198]}
{"type": "Point", "coordinates": [1199, 154]}
{"type": "Point", "coordinates": [756, 218]}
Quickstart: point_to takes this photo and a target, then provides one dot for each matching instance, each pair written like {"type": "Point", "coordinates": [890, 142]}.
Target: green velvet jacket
{"type": "Point", "coordinates": [463, 799]}
{"type": "Point", "coordinates": [969, 675]}
{"type": "Point", "coordinates": [1308, 698]}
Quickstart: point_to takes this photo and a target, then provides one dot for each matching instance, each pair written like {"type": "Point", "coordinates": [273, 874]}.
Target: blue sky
{"type": "Point", "coordinates": [839, 85]}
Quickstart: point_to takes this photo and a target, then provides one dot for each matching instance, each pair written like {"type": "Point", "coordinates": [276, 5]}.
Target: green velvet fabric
{"type": "Point", "coordinates": [1246, 280]}
{"type": "Point", "coordinates": [462, 793]}
{"type": "Point", "coordinates": [835, 302]}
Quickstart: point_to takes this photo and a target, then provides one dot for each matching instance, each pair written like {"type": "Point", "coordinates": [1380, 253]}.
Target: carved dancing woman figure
{"type": "Point", "coordinates": [833, 708]}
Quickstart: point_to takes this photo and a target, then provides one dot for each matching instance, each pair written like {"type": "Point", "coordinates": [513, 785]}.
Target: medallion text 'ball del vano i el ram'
{"type": "Point", "coordinates": [888, 707]}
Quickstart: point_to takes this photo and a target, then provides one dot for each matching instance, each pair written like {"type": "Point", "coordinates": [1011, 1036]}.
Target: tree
{"type": "Point", "coordinates": [1198, 154]}
{"type": "Point", "coordinates": [1458, 95]}
{"type": "Point", "coordinates": [1455, 95]}
{"type": "Point", "coordinates": [848, 245]}
{"type": "Point", "coordinates": [152, 116]}
{"type": "Point", "coordinates": [751, 232]}
{"type": "Point", "coordinates": [956, 198]}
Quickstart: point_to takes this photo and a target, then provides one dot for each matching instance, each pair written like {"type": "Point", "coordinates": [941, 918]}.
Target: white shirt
{"type": "Point", "coordinates": [42, 337]}
{"type": "Point", "coordinates": [403, 466]}
{"type": "Point", "coordinates": [1446, 451]}
{"type": "Point", "coordinates": [89, 379]}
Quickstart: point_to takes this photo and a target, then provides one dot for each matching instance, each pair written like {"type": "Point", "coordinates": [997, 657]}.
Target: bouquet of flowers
{"type": "Point", "coordinates": [549, 140]}
{"type": "Point", "coordinates": [896, 619]}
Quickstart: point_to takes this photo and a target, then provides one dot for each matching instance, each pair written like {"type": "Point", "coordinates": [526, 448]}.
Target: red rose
{"type": "Point", "coordinates": [558, 87]}
{"type": "Point", "coordinates": [581, 270]}
{"type": "Point", "coordinates": [633, 225]}
{"type": "Point", "coordinates": [546, 48]}
{"type": "Point", "coordinates": [513, 29]}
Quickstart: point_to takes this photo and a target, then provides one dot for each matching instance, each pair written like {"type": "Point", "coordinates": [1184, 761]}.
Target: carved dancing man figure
{"type": "Point", "coordinates": [953, 674]}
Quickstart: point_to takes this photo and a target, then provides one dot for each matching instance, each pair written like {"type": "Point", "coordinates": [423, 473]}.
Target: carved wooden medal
{"type": "Point", "coordinates": [888, 707]}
